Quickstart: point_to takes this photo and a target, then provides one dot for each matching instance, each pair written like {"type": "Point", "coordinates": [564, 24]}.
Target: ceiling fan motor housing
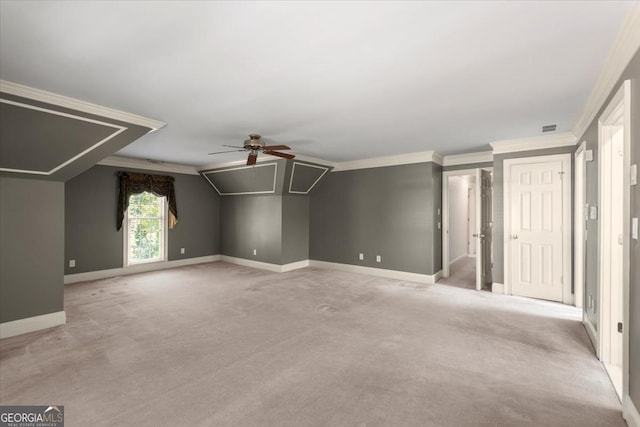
{"type": "Point", "coordinates": [254, 142]}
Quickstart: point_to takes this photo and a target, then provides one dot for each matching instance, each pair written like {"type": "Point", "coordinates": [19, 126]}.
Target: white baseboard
{"type": "Point", "coordinates": [371, 271]}
{"type": "Point", "coordinates": [265, 265]}
{"type": "Point", "coordinates": [437, 276]}
{"type": "Point", "coordinates": [630, 412]}
{"type": "Point", "coordinates": [591, 332]}
{"type": "Point", "coordinates": [32, 324]}
{"type": "Point", "coordinates": [497, 288]}
{"type": "Point", "coordinates": [458, 259]}
{"type": "Point", "coordinates": [134, 269]}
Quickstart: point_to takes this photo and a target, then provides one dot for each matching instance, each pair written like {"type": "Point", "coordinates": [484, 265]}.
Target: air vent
{"type": "Point", "coordinates": [549, 128]}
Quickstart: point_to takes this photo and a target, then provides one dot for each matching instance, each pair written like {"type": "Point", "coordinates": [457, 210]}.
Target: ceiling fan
{"type": "Point", "coordinates": [254, 145]}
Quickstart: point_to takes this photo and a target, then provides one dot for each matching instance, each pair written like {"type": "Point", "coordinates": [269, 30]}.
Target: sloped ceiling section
{"type": "Point", "coordinates": [267, 177]}
{"type": "Point", "coordinates": [51, 137]}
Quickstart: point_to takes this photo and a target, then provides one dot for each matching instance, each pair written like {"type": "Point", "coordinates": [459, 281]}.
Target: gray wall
{"type": "Point", "coordinates": [592, 273]}
{"type": "Point", "coordinates": [295, 228]}
{"type": "Point", "coordinates": [32, 244]}
{"type": "Point", "coordinates": [498, 202]}
{"type": "Point", "coordinates": [388, 211]}
{"type": "Point", "coordinates": [252, 222]}
{"type": "Point", "coordinates": [277, 227]}
{"type": "Point", "coordinates": [91, 238]}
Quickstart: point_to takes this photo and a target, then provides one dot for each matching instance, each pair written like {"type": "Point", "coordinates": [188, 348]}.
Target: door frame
{"type": "Point", "coordinates": [566, 219]}
{"type": "Point", "coordinates": [621, 98]}
{"type": "Point", "coordinates": [579, 226]}
{"type": "Point", "coordinates": [445, 214]}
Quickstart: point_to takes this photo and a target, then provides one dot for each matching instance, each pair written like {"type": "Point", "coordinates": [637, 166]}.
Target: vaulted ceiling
{"type": "Point", "coordinates": [339, 81]}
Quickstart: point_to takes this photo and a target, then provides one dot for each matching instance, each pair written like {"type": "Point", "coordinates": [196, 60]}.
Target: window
{"type": "Point", "coordinates": [146, 229]}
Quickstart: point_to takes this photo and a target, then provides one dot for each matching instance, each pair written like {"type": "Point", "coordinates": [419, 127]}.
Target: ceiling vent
{"type": "Point", "coordinates": [549, 128]}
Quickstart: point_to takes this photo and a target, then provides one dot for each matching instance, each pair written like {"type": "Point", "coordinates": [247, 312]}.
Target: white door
{"type": "Point", "coordinates": [484, 224]}
{"type": "Point", "coordinates": [613, 191]}
{"type": "Point", "coordinates": [536, 228]}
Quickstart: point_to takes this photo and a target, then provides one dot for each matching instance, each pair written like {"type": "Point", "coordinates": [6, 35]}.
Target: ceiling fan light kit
{"type": "Point", "coordinates": [255, 145]}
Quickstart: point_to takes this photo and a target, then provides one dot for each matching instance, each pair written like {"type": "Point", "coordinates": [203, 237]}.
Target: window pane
{"type": "Point", "coordinates": [145, 228]}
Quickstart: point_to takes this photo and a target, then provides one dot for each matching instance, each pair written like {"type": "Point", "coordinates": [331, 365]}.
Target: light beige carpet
{"type": "Point", "coordinates": [223, 345]}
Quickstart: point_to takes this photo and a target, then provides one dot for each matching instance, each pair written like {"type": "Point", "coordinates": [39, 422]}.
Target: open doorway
{"type": "Point", "coordinates": [614, 201]}
{"type": "Point", "coordinates": [467, 229]}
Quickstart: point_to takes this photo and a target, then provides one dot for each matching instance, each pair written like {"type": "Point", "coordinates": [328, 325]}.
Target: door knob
{"type": "Point", "coordinates": [514, 236]}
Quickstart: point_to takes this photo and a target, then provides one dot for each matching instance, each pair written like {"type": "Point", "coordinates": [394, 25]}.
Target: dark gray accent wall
{"type": "Point", "coordinates": [260, 178]}
{"type": "Point", "coordinates": [498, 201]}
{"type": "Point", "coordinates": [91, 238]}
{"type": "Point", "coordinates": [32, 245]}
{"type": "Point", "coordinates": [252, 222]}
{"type": "Point", "coordinates": [56, 139]}
{"type": "Point", "coordinates": [295, 229]}
{"type": "Point", "coordinates": [277, 227]}
{"type": "Point", "coordinates": [386, 211]}
{"type": "Point", "coordinates": [304, 177]}
{"type": "Point", "coordinates": [592, 273]}
{"type": "Point", "coordinates": [436, 174]}
{"type": "Point", "coordinates": [248, 180]}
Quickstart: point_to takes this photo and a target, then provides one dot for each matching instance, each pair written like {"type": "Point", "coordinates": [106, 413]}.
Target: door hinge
{"type": "Point", "coordinates": [620, 327]}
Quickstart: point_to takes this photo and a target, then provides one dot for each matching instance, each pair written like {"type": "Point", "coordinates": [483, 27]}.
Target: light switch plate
{"type": "Point", "coordinates": [593, 212]}
{"type": "Point", "coordinates": [588, 155]}
{"type": "Point", "coordinates": [634, 228]}
{"type": "Point", "coordinates": [634, 174]}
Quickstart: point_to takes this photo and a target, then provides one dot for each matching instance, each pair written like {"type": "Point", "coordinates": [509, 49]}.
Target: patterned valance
{"type": "Point", "coordinates": [135, 183]}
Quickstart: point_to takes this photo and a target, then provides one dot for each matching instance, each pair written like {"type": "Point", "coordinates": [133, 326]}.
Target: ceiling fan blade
{"type": "Point", "coordinates": [232, 146]}
{"type": "Point", "coordinates": [278, 154]}
{"type": "Point", "coordinates": [276, 147]}
{"type": "Point", "coordinates": [228, 151]}
{"type": "Point", "coordinates": [251, 160]}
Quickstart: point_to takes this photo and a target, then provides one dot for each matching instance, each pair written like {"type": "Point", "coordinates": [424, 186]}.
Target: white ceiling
{"type": "Point", "coordinates": [338, 81]}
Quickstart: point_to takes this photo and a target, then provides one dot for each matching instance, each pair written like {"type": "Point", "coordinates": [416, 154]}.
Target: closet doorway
{"type": "Point", "coordinates": [467, 222]}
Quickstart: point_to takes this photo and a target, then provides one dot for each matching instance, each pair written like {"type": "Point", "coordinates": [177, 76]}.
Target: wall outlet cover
{"type": "Point", "coordinates": [634, 228]}
{"type": "Point", "coordinates": [182, 251]}
{"type": "Point", "coordinates": [361, 257]}
{"type": "Point", "coordinates": [378, 258]}
{"type": "Point", "coordinates": [593, 212]}
{"type": "Point", "coordinates": [72, 263]}
{"type": "Point", "coordinates": [634, 174]}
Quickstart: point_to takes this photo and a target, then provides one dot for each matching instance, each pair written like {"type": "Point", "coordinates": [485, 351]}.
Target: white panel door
{"type": "Point", "coordinates": [536, 235]}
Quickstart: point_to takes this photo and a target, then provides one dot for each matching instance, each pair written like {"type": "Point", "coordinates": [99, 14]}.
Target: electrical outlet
{"type": "Point", "coordinates": [634, 228]}
{"type": "Point", "coordinates": [593, 212]}
{"type": "Point", "coordinates": [378, 258]}
{"type": "Point", "coordinates": [182, 251]}
{"type": "Point", "coordinates": [438, 225]}
{"type": "Point", "coordinates": [255, 252]}
{"type": "Point", "coordinates": [634, 175]}
{"type": "Point", "coordinates": [72, 263]}
{"type": "Point", "coordinates": [361, 257]}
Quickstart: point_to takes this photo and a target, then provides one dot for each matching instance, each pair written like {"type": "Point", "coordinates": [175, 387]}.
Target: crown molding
{"type": "Point", "coordinates": [625, 47]}
{"type": "Point", "coordinates": [535, 143]}
{"type": "Point", "coordinates": [400, 159]}
{"type": "Point", "coordinates": [309, 159]}
{"type": "Point", "coordinates": [75, 104]}
{"type": "Point", "coordinates": [468, 158]}
{"type": "Point", "coordinates": [131, 163]}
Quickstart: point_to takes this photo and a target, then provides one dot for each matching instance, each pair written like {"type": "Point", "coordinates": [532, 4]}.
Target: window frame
{"type": "Point", "coordinates": [164, 245]}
